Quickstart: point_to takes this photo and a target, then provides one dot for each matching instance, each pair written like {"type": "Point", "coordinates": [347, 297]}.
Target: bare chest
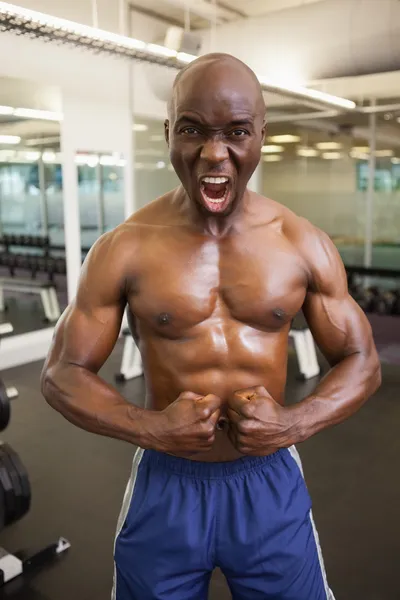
{"type": "Point", "coordinates": [182, 283]}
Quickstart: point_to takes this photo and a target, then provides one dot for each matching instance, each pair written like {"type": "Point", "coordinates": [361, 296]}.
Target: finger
{"type": "Point", "coordinates": [237, 401]}
{"type": "Point", "coordinates": [214, 417]}
{"type": "Point", "coordinates": [209, 404]}
{"type": "Point", "coordinates": [233, 416]}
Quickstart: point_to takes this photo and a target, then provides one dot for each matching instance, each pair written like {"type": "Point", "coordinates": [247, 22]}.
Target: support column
{"type": "Point", "coordinates": [43, 197]}
{"type": "Point", "coordinates": [369, 205]}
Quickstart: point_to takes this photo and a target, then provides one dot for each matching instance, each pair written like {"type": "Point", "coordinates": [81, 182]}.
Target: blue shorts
{"type": "Point", "coordinates": [251, 517]}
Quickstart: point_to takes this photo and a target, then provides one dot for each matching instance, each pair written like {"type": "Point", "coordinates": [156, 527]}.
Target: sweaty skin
{"type": "Point", "coordinates": [211, 291]}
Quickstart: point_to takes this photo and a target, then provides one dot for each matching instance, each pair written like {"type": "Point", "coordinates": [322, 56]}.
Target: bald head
{"type": "Point", "coordinates": [213, 70]}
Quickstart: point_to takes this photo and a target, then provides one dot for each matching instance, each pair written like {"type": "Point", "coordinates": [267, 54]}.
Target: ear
{"type": "Point", "coordinates": [263, 132]}
{"type": "Point", "coordinates": [166, 131]}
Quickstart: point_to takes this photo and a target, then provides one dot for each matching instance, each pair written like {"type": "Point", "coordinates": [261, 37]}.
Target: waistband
{"type": "Point", "coordinates": [208, 470]}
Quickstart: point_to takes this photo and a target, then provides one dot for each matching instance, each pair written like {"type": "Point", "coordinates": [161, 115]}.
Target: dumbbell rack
{"type": "Point", "coordinates": [15, 496]}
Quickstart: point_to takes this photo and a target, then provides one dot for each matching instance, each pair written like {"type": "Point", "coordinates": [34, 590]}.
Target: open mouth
{"type": "Point", "coordinates": [216, 193]}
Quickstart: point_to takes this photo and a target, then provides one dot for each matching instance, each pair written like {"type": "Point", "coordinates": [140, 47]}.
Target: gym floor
{"type": "Point", "coordinates": [78, 480]}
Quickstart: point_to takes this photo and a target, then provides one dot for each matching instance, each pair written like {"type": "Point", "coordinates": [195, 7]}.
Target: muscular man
{"type": "Point", "coordinates": [212, 275]}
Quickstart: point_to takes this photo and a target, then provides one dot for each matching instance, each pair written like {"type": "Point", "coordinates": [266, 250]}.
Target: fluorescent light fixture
{"type": "Point", "coordinates": [140, 127]}
{"type": "Point", "coordinates": [185, 58]}
{"type": "Point", "coordinates": [10, 139]}
{"type": "Point", "coordinates": [35, 24]}
{"type": "Point", "coordinates": [362, 149]}
{"type": "Point", "coordinates": [157, 138]}
{"type": "Point", "coordinates": [331, 155]}
{"type": "Point", "coordinates": [395, 160]}
{"type": "Point", "coordinates": [272, 158]}
{"type": "Point", "coordinates": [6, 155]}
{"type": "Point", "coordinates": [284, 139]}
{"type": "Point", "coordinates": [49, 157]}
{"type": "Point", "coordinates": [270, 149]}
{"type": "Point", "coordinates": [31, 113]}
{"type": "Point", "coordinates": [161, 50]}
{"type": "Point", "coordinates": [359, 155]}
{"type": "Point", "coordinates": [31, 156]}
{"type": "Point", "coordinates": [150, 152]}
{"type": "Point", "coordinates": [384, 153]}
{"type": "Point", "coordinates": [6, 110]}
{"type": "Point", "coordinates": [65, 27]}
{"type": "Point", "coordinates": [40, 141]}
{"type": "Point", "coordinates": [307, 152]}
{"type": "Point", "coordinates": [304, 92]}
{"type": "Point", "coordinates": [328, 146]}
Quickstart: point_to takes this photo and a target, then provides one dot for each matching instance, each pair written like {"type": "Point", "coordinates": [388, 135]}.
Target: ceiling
{"type": "Point", "coordinates": [202, 12]}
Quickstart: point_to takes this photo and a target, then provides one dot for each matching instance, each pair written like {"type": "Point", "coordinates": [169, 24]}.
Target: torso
{"type": "Point", "coordinates": [213, 315]}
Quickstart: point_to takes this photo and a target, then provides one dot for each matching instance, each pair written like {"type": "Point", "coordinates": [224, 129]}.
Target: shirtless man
{"type": "Point", "coordinates": [212, 275]}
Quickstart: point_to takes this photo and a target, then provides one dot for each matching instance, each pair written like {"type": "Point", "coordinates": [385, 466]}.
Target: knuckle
{"type": "Point", "coordinates": [244, 426]}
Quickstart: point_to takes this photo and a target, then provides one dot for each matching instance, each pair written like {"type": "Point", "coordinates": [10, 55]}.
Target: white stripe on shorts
{"type": "Point", "coordinates": [329, 594]}
{"type": "Point", "coordinates": [125, 507]}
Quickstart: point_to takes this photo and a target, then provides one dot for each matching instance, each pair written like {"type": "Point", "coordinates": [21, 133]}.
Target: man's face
{"type": "Point", "coordinates": [215, 136]}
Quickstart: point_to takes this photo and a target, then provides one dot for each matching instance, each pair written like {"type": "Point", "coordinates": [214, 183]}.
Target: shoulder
{"type": "Point", "coordinates": [316, 249]}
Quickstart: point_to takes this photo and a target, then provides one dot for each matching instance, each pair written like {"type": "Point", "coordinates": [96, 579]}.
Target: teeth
{"type": "Point", "coordinates": [215, 180]}
{"type": "Point", "coordinates": [216, 200]}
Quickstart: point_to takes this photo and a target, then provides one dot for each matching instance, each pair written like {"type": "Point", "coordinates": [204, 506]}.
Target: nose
{"type": "Point", "coordinates": [214, 151]}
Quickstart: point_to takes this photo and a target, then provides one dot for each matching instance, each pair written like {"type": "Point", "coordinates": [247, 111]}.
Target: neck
{"type": "Point", "coordinates": [215, 225]}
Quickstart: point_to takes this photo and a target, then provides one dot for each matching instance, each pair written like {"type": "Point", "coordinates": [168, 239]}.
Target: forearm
{"type": "Point", "coordinates": [88, 402]}
{"type": "Point", "coordinates": [339, 395]}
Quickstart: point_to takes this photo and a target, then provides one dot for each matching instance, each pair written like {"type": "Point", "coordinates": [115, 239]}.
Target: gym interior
{"type": "Point", "coordinates": [83, 98]}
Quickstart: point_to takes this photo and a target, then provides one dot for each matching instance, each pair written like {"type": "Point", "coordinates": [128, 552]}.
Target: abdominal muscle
{"type": "Point", "coordinates": [163, 389]}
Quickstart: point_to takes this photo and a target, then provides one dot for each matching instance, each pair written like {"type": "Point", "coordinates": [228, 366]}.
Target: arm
{"type": "Point", "coordinates": [343, 334]}
{"type": "Point", "coordinates": [84, 338]}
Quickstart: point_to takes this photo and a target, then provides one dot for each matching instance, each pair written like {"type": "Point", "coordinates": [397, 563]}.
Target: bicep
{"type": "Point", "coordinates": [338, 324]}
{"type": "Point", "coordinates": [89, 328]}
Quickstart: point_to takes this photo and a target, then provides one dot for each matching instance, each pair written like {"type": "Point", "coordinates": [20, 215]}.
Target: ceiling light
{"type": "Point", "coordinates": [359, 155]}
{"type": "Point", "coordinates": [304, 92]}
{"type": "Point", "coordinates": [108, 161]}
{"type": "Point", "coordinates": [24, 21]}
{"type": "Point", "coordinates": [186, 58]}
{"type": "Point", "coordinates": [331, 155]}
{"type": "Point", "coordinates": [49, 157]}
{"type": "Point", "coordinates": [328, 146]}
{"type": "Point", "coordinates": [150, 152]}
{"type": "Point", "coordinates": [157, 138]}
{"type": "Point", "coordinates": [40, 141]}
{"type": "Point", "coordinates": [272, 158]}
{"type": "Point", "coordinates": [161, 164]}
{"type": "Point", "coordinates": [384, 153]}
{"type": "Point", "coordinates": [307, 152]}
{"type": "Point", "coordinates": [284, 139]}
{"type": "Point", "coordinates": [396, 161]}
{"type": "Point", "coordinates": [30, 113]}
{"type": "Point", "coordinates": [6, 155]}
{"type": "Point", "coordinates": [31, 156]}
{"type": "Point", "coordinates": [160, 50]}
{"type": "Point", "coordinates": [6, 110]}
{"type": "Point", "coordinates": [10, 139]}
{"type": "Point", "coordinates": [362, 149]}
{"type": "Point", "coordinates": [140, 127]}
{"type": "Point", "coordinates": [270, 149]}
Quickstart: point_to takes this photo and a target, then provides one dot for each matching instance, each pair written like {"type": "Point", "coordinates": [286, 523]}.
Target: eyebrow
{"type": "Point", "coordinates": [197, 121]}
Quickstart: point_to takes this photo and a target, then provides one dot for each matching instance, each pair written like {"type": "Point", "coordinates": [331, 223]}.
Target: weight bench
{"type": "Point", "coordinates": [46, 291]}
{"type": "Point", "coordinates": [131, 365]}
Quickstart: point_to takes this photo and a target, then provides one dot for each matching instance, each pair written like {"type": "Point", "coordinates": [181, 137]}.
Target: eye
{"type": "Point", "coordinates": [239, 132]}
{"type": "Point", "coordinates": [189, 131]}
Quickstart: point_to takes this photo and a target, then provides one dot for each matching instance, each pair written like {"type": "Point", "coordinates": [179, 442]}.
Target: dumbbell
{"type": "Point", "coordinates": [366, 297]}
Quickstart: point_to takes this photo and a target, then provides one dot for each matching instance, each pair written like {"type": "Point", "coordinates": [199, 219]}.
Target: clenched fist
{"type": "Point", "coordinates": [258, 425]}
{"type": "Point", "coordinates": [186, 426]}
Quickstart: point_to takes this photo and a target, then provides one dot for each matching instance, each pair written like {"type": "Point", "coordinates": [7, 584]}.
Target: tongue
{"type": "Point", "coordinates": [214, 190]}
